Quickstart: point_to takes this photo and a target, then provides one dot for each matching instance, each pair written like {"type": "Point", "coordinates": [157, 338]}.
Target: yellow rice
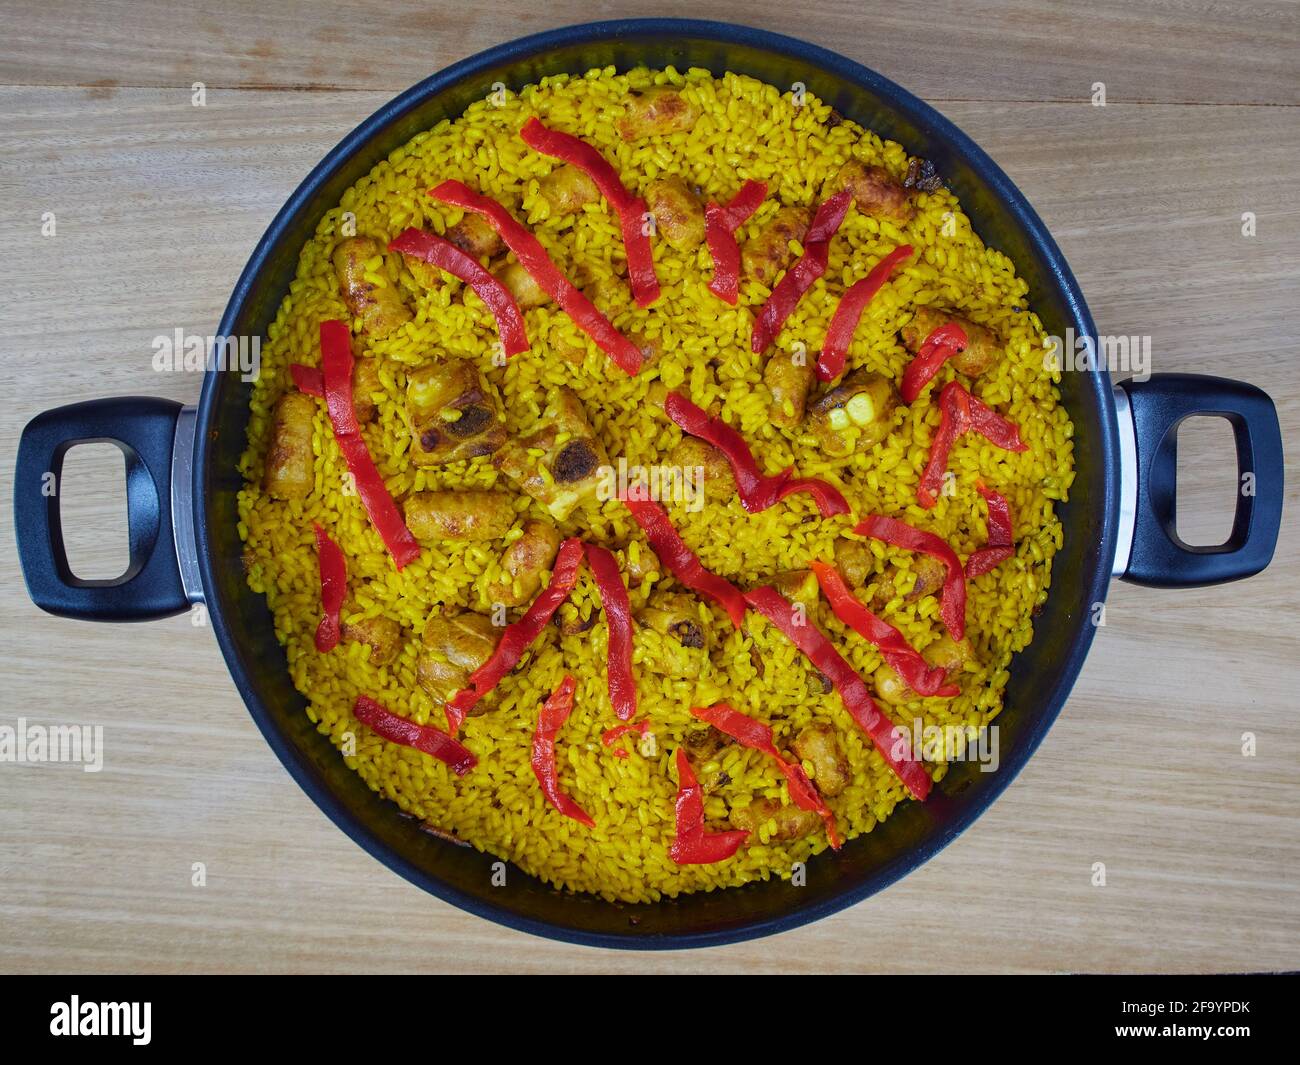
{"type": "Point", "coordinates": [747, 130]}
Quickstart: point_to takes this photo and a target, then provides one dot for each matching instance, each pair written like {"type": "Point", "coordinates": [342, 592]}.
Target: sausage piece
{"type": "Point", "coordinates": [475, 237]}
{"type": "Point", "coordinates": [791, 821]}
{"type": "Point", "coordinates": [382, 635]}
{"type": "Point", "coordinates": [819, 744]}
{"type": "Point", "coordinates": [874, 190]}
{"type": "Point", "coordinates": [368, 293]}
{"type": "Point", "coordinates": [678, 213]}
{"type": "Point", "coordinates": [703, 466]}
{"type": "Point", "coordinates": [768, 253]}
{"type": "Point", "coordinates": [459, 514]}
{"type": "Point", "coordinates": [290, 466]}
{"type": "Point", "coordinates": [568, 190]}
{"type": "Point", "coordinates": [454, 646]}
{"type": "Point", "coordinates": [655, 112]}
{"type": "Point", "coordinates": [524, 562]}
{"type": "Point", "coordinates": [788, 378]}
{"type": "Point", "coordinates": [983, 347]}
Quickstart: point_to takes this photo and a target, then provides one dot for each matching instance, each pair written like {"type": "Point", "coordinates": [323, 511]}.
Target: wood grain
{"type": "Point", "coordinates": [158, 204]}
{"type": "Point", "coordinates": [1170, 51]}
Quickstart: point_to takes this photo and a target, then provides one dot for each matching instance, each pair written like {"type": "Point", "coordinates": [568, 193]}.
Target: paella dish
{"type": "Point", "coordinates": [649, 475]}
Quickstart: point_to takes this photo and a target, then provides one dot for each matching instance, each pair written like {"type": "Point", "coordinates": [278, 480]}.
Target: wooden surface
{"type": "Point", "coordinates": [158, 204]}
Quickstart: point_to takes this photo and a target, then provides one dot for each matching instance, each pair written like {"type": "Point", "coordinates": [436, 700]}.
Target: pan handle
{"type": "Point", "coordinates": [146, 430]}
{"type": "Point", "coordinates": [1150, 414]}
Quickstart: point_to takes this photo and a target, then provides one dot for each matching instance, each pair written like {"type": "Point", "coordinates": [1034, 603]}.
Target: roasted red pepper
{"type": "Point", "coordinates": [612, 735]}
{"type": "Point", "coordinates": [754, 734]}
{"type": "Point", "coordinates": [948, 340]}
{"type": "Point", "coordinates": [446, 256]}
{"type": "Point", "coordinates": [692, 845]}
{"type": "Point", "coordinates": [898, 654]}
{"type": "Point", "coordinates": [952, 602]}
{"type": "Point", "coordinates": [631, 210]}
{"type": "Point", "coordinates": [307, 379]}
{"type": "Point", "coordinates": [681, 560]}
{"type": "Point", "coordinates": [1000, 543]}
{"type": "Point", "coordinates": [800, 277]}
{"type": "Point", "coordinates": [618, 618]}
{"type": "Point", "coordinates": [830, 363]}
{"type": "Point", "coordinates": [959, 412]}
{"type": "Point", "coordinates": [757, 490]}
{"type": "Point", "coordinates": [532, 256]}
{"type": "Point", "coordinates": [336, 369]}
{"type": "Point", "coordinates": [555, 712]}
{"type": "Point", "coordinates": [852, 691]}
{"type": "Point", "coordinates": [720, 225]}
{"type": "Point", "coordinates": [333, 587]}
{"type": "Point", "coordinates": [423, 738]}
{"type": "Point", "coordinates": [518, 635]}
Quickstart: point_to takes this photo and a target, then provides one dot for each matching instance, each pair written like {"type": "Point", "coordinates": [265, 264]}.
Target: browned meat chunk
{"type": "Point", "coordinates": [366, 289]}
{"type": "Point", "coordinates": [524, 562]}
{"type": "Point", "coordinates": [874, 190]}
{"type": "Point", "coordinates": [453, 646]}
{"type": "Point", "coordinates": [476, 237]}
{"type": "Point", "coordinates": [382, 635]}
{"type": "Point", "coordinates": [819, 744]}
{"type": "Point", "coordinates": [791, 822]}
{"type": "Point", "coordinates": [290, 465]}
{"type": "Point", "coordinates": [678, 213]}
{"type": "Point", "coordinates": [452, 413]}
{"type": "Point", "coordinates": [656, 112]}
{"type": "Point", "coordinates": [704, 747]}
{"type": "Point", "coordinates": [983, 347]}
{"type": "Point", "coordinates": [366, 389]}
{"type": "Point", "coordinates": [855, 415]}
{"type": "Point", "coordinates": [460, 514]}
{"type": "Point", "coordinates": [684, 650]}
{"type": "Point", "coordinates": [703, 466]}
{"type": "Point", "coordinates": [559, 464]}
{"type": "Point", "coordinates": [789, 379]}
{"type": "Point", "coordinates": [568, 190]}
{"type": "Point", "coordinates": [767, 254]}
{"type": "Point", "coordinates": [527, 292]}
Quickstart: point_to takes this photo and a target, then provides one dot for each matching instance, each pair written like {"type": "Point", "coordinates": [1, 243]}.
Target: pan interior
{"type": "Point", "coordinates": [1041, 675]}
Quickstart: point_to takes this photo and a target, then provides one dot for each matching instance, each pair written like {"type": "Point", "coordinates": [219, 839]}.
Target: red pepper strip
{"type": "Point", "coordinates": [555, 712]}
{"type": "Point", "coordinates": [898, 654]}
{"type": "Point", "coordinates": [691, 844]}
{"type": "Point", "coordinates": [618, 616]}
{"type": "Point", "coordinates": [952, 601]}
{"type": "Point", "coordinates": [800, 277]}
{"type": "Point", "coordinates": [744, 729]}
{"type": "Point", "coordinates": [612, 735]}
{"type": "Point", "coordinates": [333, 587]}
{"type": "Point", "coordinates": [424, 738]}
{"type": "Point", "coordinates": [757, 491]}
{"type": "Point", "coordinates": [681, 560]}
{"type": "Point", "coordinates": [532, 256]}
{"type": "Point", "coordinates": [519, 635]}
{"type": "Point", "coordinates": [830, 363]}
{"type": "Point", "coordinates": [999, 547]}
{"type": "Point", "coordinates": [308, 379]}
{"type": "Point", "coordinates": [946, 341]}
{"type": "Point", "coordinates": [720, 225]}
{"type": "Point", "coordinates": [852, 691]}
{"type": "Point", "coordinates": [630, 209]}
{"type": "Point", "coordinates": [336, 366]}
{"type": "Point", "coordinates": [446, 256]}
{"type": "Point", "coordinates": [959, 412]}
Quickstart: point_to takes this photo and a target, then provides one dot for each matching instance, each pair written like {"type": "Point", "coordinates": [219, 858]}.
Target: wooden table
{"type": "Point", "coordinates": [157, 204]}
